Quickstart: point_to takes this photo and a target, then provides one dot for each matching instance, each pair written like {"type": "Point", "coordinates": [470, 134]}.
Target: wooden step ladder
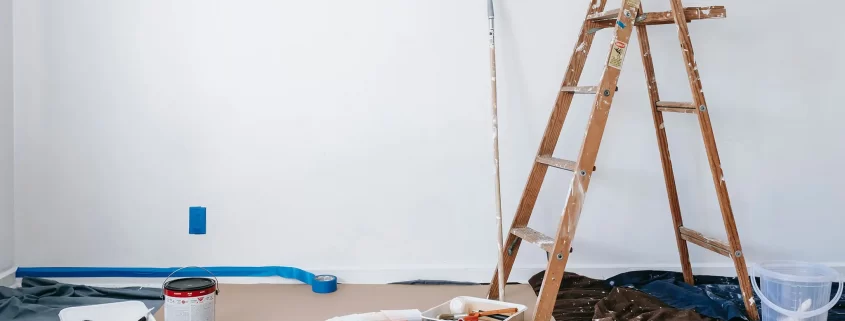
{"type": "Point", "coordinates": [622, 21]}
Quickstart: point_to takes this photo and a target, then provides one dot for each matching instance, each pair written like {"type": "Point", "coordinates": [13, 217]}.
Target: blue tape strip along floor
{"type": "Point", "coordinates": [137, 272]}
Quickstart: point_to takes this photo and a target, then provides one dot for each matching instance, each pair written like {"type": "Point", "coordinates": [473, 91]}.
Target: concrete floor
{"type": "Point", "coordinates": [285, 302]}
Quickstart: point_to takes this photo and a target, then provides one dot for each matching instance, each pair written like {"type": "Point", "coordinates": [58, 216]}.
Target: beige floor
{"type": "Point", "coordinates": [271, 302]}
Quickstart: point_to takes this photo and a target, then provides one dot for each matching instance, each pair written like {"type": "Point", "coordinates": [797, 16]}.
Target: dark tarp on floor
{"type": "Point", "coordinates": [713, 296]}
{"type": "Point", "coordinates": [629, 304]}
{"type": "Point", "coordinates": [584, 299]}
{"type": "Point", "coordinates": [577, 297]}
{"type": "Point", "coordinates": [41, 299]}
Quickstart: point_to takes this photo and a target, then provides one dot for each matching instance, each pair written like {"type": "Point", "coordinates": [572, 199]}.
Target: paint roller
{"type": "Point", "coordinates": [500, 265]}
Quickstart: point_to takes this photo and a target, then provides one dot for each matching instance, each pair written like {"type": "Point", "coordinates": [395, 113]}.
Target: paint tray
{"type": "Point", "coordinates": [476, 304]}
{"type": "Point", "coordinates": [126, 310]}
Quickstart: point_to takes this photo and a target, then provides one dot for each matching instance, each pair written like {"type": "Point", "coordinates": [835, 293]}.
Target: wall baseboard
{"type": "Point", "coordinates": [7, 277]}
{"type": "Point", "coordinates": [478, 274]}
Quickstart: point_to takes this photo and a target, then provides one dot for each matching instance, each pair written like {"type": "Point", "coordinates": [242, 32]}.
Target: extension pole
{"type": "Point", "coordinates": [501, 263]}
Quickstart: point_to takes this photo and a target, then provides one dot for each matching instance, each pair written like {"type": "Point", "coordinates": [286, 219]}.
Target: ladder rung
{"type": "Point", "coordinates": [604, 15]}
{"type": "Point", "coordinates": [558, 163]}
{"type": "Point", "coordinates": [676, 107]}
{"type": "Point", "coordinates": [580, 90]}
{"type": "Point", "coordinates": [665, 17]}
{"type": "Point", "coordinates": [530, 235]}
{"type": "Point", "coordinates": [675, 104]}
{"type": "Point", "coordinates": [705, 242]}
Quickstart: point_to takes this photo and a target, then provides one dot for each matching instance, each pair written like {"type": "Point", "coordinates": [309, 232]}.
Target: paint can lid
{"type": "Point", "coordinates": [189, 284]}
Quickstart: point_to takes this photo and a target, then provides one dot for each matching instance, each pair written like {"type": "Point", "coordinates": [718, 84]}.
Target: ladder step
{"type": "Point", "coordinates": [530, 235]}
{"type": "Point", "coordinates": [662, 18]}
{"type": "Point", "coordinates": [610, 14]}
{"type": "Point", "coordinates": [705, 242]}
{"type": "Point", "coordinates": [675, 104]}
{"type": "Point", "coordinates": [557, 162]}
{"type": "Point", "coordinates": [563, 164]}
{"type": "Point", "coordinates": [676, 107]}
{"type": "Point", "coordinates": [580, 90]}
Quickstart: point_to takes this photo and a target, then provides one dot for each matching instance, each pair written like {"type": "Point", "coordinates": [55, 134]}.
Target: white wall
{"type": "Point", "coordinates": [7, 216]}
{"type": "Point", "coordinates": [353, 137]}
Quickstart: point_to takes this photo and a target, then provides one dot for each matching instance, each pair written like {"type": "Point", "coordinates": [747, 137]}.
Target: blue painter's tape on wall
{"type": "Point", "coordinates": [196, 220]}
{"type": "Point", "coordinates": [319, 283]}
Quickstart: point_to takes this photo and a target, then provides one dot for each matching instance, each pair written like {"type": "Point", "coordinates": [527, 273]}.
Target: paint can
{"type": "Point", "coordinates": [190, 299]}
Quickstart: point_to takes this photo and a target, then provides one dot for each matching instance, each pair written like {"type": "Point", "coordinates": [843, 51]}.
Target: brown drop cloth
{"type": "Point", "coordinates": [584, 299]}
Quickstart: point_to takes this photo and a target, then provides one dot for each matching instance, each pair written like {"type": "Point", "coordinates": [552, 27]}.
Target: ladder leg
{"type": "Point", "coordinates": [663, 146]}
{"type": "Point", "coordinates": [547, 147]}
{"type": "Point", "coordinates": [586, 161]}
{"type": "Point", "coordinates": [713, 157]}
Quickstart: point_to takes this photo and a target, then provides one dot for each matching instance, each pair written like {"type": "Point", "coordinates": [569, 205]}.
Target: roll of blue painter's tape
{"type": "Point", "coordinates": [324, 284]}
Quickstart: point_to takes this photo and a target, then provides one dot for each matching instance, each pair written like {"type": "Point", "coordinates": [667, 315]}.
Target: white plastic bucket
{"type": "Point", "coordinates": [795, 290]}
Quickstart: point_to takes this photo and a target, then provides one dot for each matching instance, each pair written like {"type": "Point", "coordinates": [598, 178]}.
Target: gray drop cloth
{"type": "Point", "coordinates": [42, 299]}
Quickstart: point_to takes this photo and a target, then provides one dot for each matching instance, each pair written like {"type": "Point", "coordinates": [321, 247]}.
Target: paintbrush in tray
{"type": "Point", "coordinates": [501, 314]}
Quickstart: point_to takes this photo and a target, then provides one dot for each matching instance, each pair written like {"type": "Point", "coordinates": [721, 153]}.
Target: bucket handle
{"type": "Point", "coordinates": [216, 282]}
{"type": "Point", "coordinates": [795, 314]}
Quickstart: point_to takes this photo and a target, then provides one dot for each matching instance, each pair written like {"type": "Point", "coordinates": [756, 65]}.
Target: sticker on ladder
{"type": "Point", "coordinates": [633, 3]}
{"type": "Point", "coordinates": [617, 54]}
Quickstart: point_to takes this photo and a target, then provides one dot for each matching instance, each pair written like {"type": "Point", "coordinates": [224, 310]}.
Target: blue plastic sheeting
{"type": "Point", "coordinates": [713, 296]}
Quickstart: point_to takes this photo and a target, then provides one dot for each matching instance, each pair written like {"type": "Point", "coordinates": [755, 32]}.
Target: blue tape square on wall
{"type": "Point", "coordinates": [196, 220]}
